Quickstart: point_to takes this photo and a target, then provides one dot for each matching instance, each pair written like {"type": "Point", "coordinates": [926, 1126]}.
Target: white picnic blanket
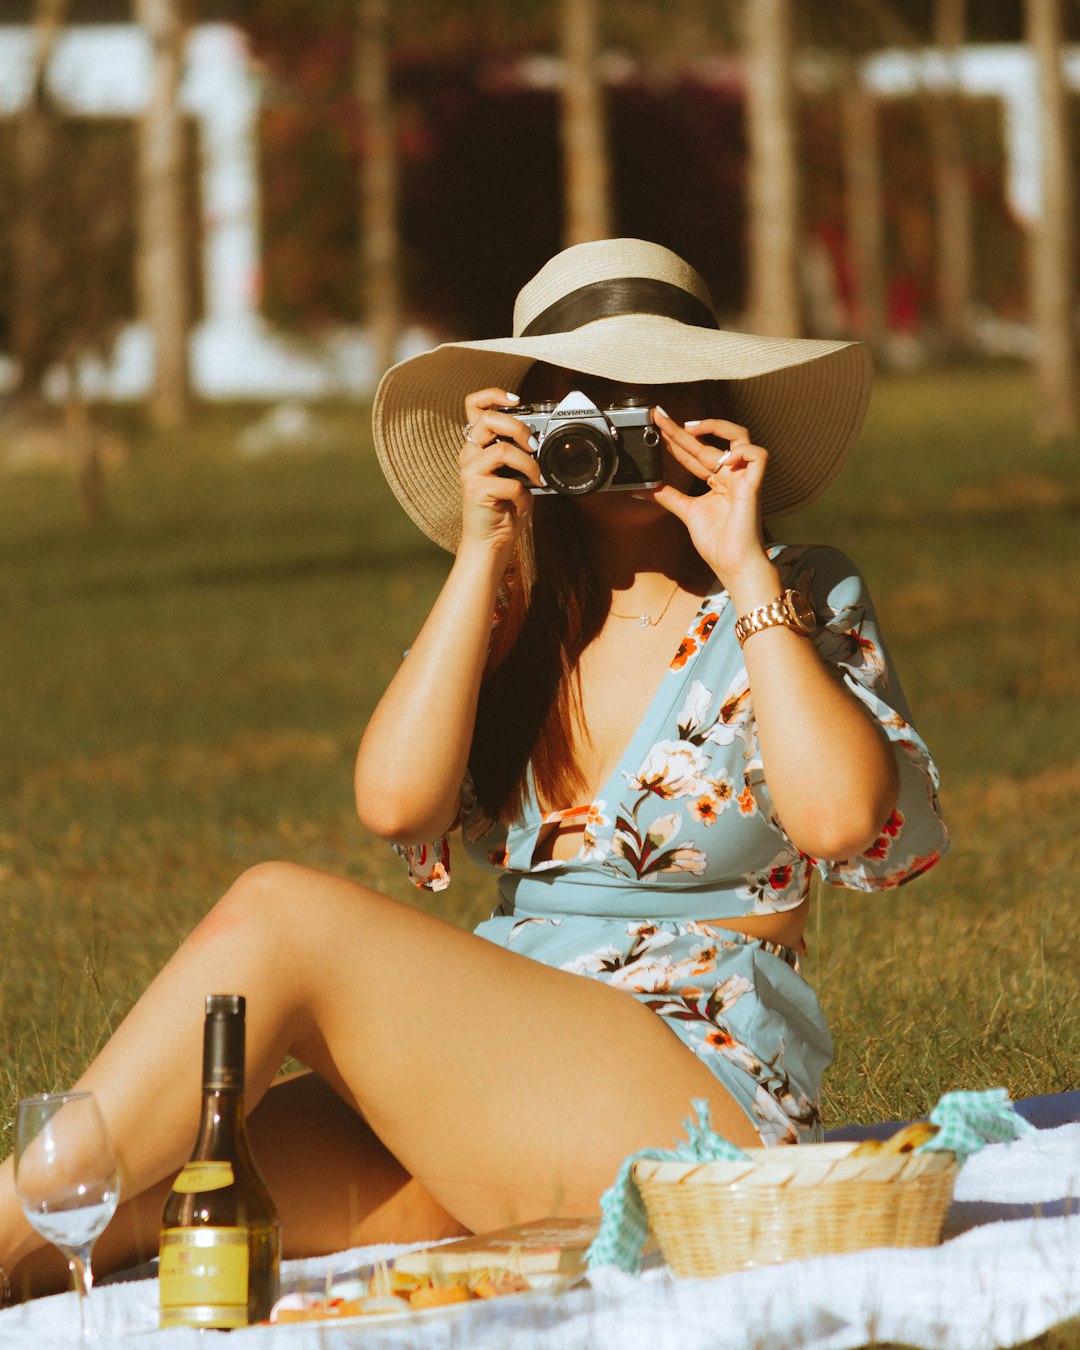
{"type": "Point", "coordinates": [1010, 1270]}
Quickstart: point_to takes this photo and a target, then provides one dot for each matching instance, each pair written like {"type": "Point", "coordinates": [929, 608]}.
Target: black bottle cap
{"type": "Point", "coordinates": [218, 1004]}
{"type": "Point", "coordinates": [223, 1043]}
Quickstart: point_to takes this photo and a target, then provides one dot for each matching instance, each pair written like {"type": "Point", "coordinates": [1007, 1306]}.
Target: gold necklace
{"type": "Point", "coordinates": [643, 619]}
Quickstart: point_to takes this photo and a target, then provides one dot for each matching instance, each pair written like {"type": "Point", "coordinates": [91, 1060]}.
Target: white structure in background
{"type": "Point", "coordinates": [1007, 73]}
{"type": "Point", "coordinates": [104, 71]}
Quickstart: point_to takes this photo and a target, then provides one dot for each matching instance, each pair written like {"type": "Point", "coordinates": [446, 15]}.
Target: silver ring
{"type": "Point", "coordinates": [466, 431]}
{"type": "Point", "coordinates": [719, 464]}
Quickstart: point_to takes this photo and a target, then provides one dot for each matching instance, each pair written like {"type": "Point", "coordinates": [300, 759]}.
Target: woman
{"type": "Point", "coordinates": [653, 783]}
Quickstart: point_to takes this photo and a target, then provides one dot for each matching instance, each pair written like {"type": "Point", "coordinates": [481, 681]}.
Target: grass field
{"type": "Point", "coordinates": [184, 688]}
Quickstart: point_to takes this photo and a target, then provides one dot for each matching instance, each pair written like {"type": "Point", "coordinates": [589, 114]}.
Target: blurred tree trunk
{"type": "Point", "coordinates": [164, 298]}
{"type": "Point", "coordinates": [587, 201]}
{"type": "Point", "coordinates": [1053, 286]}
{"type": "Point", "coordinates": [380, 244]}
{"type": "Point", "coordinates": [773, 205]}
{"type": "Point", "coordinates": [864, 208]}
{"type": "Point", "coordinates": [37, 254]}
{"type": "Point", "coordinates": [952, 191]}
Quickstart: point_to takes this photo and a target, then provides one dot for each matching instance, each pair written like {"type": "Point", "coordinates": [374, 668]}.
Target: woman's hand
{"type": "Point", "coordinates": [725, 522]}
{"type": "Point", "coordinates": [494, 508]}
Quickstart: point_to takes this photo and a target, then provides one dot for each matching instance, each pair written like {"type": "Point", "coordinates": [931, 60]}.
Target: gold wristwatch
{"type": "Point", "coordinates": [790, 609]}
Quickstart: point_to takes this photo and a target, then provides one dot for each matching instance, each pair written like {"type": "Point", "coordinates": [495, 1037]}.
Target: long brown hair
{"type": "Point", "coordinates": [530, 701]}
{"type": "Point", "coordinates": [550, 610]}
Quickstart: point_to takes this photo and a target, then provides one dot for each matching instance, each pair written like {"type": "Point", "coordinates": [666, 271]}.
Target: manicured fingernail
{"type": "Point", "coordinates": [694, 422]}
{"type": "Point", "coordinates": [513, 398]}
{"type": "Point", "coordinates": [663, 413]}
{"type": "Point", "coordinates": [534, 444]}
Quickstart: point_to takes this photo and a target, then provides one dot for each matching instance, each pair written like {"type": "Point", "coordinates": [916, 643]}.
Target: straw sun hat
{"type": "Point", "coordinates": [634, 312]}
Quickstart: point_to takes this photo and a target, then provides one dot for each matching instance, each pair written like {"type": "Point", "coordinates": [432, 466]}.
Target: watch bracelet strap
{"type": "Point", "coordinates": [774, 614]}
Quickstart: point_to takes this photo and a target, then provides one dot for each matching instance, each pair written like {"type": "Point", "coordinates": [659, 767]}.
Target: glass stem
{"type": "Point", "coordinates": [82, 1277]}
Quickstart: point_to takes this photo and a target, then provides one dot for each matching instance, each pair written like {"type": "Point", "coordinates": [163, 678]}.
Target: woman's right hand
{"type": "Point", "coordinates": [494, 508]}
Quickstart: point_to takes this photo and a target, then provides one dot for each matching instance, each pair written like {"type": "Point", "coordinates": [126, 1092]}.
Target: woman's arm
{"type": "Point", "coordinates": [414, 751]}
{"type": "Point", "coordinates": [832, 775]}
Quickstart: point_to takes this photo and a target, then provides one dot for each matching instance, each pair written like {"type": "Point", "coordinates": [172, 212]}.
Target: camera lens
{"type": "Point", "coordinates": [577, 459]}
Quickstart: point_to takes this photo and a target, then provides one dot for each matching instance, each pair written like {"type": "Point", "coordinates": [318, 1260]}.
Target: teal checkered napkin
{"type": "Point", "coordinates": [968, 1120]}
{"type": "Point", "coordinates": [624, 1225]}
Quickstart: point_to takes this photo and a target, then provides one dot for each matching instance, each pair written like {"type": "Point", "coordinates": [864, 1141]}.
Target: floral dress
{"type": "Point", "coordinates": [684, 831]}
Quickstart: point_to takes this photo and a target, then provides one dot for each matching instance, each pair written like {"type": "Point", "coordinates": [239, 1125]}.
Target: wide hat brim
{"type": "Point", "coordinates": [803, 399]}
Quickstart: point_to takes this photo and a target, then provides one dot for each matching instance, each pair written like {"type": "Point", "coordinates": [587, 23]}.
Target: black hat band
{"type": "Point", "coordinates": [620, 295]}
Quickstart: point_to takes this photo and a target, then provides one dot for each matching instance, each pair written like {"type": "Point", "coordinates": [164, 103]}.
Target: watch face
{"type": "Point", "coordinates": [800, 609]}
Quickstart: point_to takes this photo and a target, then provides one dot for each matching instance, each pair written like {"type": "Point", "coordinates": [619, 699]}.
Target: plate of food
{"type": "Point", "coordinates": [527, 1260]}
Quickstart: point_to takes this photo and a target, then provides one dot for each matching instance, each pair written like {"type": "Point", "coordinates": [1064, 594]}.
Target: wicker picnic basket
{"type": "Point", "coordinates": [785, 1204]}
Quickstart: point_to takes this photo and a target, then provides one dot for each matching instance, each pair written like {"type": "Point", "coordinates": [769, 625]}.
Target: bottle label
{"type": "Point", "coordinates": [203, 1277]}
{"type": "Point", "coordinates": [203, 1176]}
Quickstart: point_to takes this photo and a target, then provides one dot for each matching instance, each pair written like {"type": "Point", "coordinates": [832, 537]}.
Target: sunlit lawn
{"type": "Point", "coordinates": [183, 690]}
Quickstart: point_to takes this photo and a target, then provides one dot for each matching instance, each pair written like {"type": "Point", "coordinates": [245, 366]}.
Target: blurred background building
{"type": "Point", "coordinates": [349, 181]}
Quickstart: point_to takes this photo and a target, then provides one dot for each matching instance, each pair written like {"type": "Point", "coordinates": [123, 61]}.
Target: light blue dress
{"type": "Point", "coordinates": [684, 831]}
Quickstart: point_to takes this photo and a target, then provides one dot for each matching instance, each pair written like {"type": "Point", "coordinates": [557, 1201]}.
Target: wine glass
{"type": "Point", "coordinates": [66, 1177]}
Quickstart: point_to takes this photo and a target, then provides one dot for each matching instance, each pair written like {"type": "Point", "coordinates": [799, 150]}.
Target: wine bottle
{"type": "Point", "coordinates": [220, 1246]}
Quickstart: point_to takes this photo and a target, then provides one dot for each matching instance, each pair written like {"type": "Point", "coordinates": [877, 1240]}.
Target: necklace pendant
{"type": "Point", "coordinates": [643, 621]}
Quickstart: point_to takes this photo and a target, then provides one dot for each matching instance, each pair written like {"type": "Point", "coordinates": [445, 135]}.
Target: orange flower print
{"type": "Point", "coordinates": [720, 1040]}
{"type": "Point", "coordinates": [747, 804]}
{"type": "Point", "coordinates": [595, 819]}
{"type": "Point", "coordinates": [687, 648]}
{"type": "Point", "coordinates": [705, 625]}
{"type": "Point", "coordinates": [499, 857]}
{"type": "Point", "coordinates": [704, 809]}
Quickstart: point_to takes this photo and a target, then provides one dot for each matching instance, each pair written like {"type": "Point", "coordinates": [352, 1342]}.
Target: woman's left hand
{"type": "Point", "coordinates": [725, 522]}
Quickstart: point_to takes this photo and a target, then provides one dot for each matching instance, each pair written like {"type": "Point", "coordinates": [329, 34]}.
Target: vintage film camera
{"type": "Point", "coordinates": [583, 450]}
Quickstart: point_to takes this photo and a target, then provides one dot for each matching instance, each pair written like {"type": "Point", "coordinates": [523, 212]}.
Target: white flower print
{"type": "Point", "coordinates": [735, 721]}
{"type": "Point", "coordinates": [594, 963]}
{"type": "Point", "coordinates": [663, 829]}
{"type": "Point", "coordinates": [702, 958]}
{"type": "Point", "coordinates": [695, 710]}
{"type": "Point", "coordinates": [726, 995]}
{"type": "Point", "coordinates": [775, 1126]}
{"type": "Point", "coordinates": [525, 923]}
{"type": "Point", "coordinates": [649, 936]}
{"type": "Point", "coordinates": [780, 1112]}
{"type": "Point", "coordinates": [657, 974]}
{"type": "Point", "coordinates": [671, 769]}
{"type": "Point", "coordinates": [593, 849]}
{"type": "Point", "coordinates": [654, 976]}
{"type": "Point", "coordinates": [688, 859]}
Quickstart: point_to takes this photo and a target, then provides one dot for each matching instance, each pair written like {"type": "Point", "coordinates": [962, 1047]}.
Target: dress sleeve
{"type": "Point", "coordinates": [848, 638]}
{"type": "Point", "coordinates": [428, 864]}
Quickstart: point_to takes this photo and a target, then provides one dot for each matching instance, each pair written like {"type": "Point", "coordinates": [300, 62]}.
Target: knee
{"type": "Point", "coordinates": [264, 882]}
{"type": "Point", "coordinates": [253, 902]}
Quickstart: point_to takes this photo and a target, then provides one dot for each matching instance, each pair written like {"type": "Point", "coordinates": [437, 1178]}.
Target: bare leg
{"type": "Point", "coordinates": [506, 1089]}
{"type": "Point", "coordinates": [333, 1181]}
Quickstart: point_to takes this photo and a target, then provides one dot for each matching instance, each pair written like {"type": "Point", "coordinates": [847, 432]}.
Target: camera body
{"type": "Point", "coordinates": [582, 449]}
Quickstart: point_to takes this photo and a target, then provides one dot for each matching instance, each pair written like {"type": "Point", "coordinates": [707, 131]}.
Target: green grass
{"type": "Point", "coordinates": [184, 687]}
